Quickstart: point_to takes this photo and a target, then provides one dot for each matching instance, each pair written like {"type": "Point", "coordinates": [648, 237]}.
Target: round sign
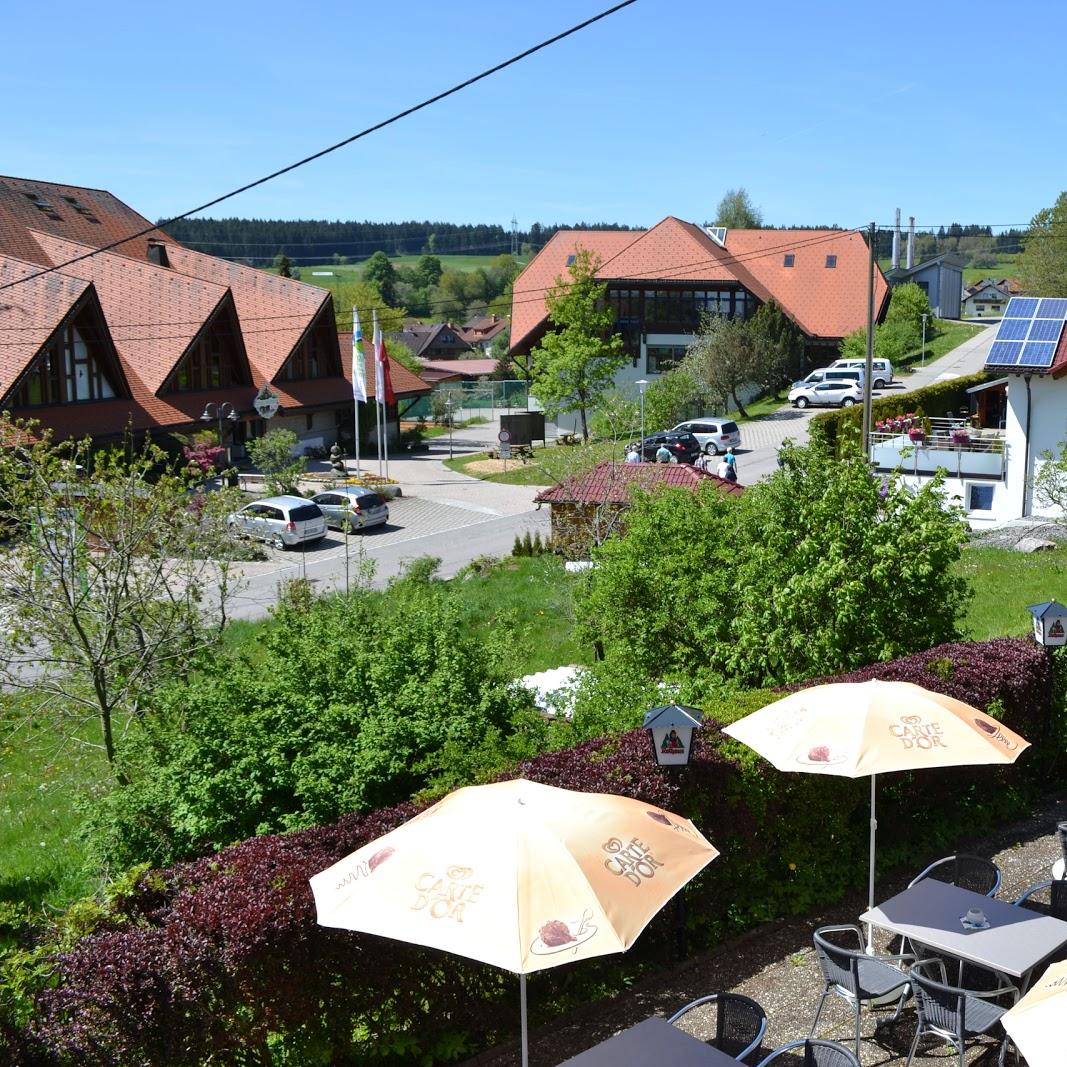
{"type": "Point", "coordinates": [504, 436]}
{"type": "Point", "coordinates": [266, 403]}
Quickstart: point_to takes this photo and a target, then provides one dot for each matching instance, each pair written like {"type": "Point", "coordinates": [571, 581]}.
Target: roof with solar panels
{"type": "Point", "coordinates": [1030, 339]}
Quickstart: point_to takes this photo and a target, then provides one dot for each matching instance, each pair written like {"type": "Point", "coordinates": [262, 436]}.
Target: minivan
{"type": "Point", "coordinates": [713, 435]}
{"type": "Point", "coordinates": [830, 374]}
{"type": "Point", "coordinates": [881, 370]}
{"type": "Point", "coordinates": [283, 521]}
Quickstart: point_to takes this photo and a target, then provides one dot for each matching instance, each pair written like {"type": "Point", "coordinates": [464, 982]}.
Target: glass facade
{"type": "Point", "coordinates": [65, 373]}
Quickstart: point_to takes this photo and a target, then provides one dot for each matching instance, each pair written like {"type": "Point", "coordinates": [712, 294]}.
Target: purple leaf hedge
{"type": "Point", "coordinates": [221, 959]}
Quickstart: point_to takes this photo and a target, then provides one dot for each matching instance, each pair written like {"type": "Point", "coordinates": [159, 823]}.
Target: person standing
{"type": "Point", "coordinates": [632, 455]}
{"type": "Point", "coordinates": [663, 454]}
{"type": "Point", "coordinates": [723, 469]}
{"type": "Point", "coordinates": [732, 460]}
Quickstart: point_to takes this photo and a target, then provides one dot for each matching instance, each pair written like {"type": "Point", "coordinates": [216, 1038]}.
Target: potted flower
{"type": "Point", "coordinates": [960, 437]}
{"type": "Point", "coordinates": [917, 434]}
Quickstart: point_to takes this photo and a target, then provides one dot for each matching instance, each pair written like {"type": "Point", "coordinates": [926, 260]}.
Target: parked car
{"type": "Point", "coordinates": [283, 521]}
{"type": "Point", "coordinates": [713, 435]}
{"type": "Point", "coordinates": [881, 370]}
{"type": "Point", "coordinates": [829, 374]}
{"type": "Point", "coordinates": [826, 394]}
{"type": "Point", "coordinates": [683, 446]}
{"type": "Point", "coordinates": [352, 506]}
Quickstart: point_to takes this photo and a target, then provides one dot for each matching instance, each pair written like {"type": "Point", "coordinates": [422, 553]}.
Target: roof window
{"type": "Point", "coordinates": [831, 262]}
{"type": "Point", "coordinates": [788, 259]}
{"type": "Point", "coordinates": [81, 209]}
{"type": "Point", "coordinates": [571, 260]}
{"type": "Point", "coordinates": [44, 206]}
{"type": "Point", "coordinates": [717, 234]}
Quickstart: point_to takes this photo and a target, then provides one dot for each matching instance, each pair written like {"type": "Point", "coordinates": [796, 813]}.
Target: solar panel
{"type": "Point", "coordinates": [1038, 354]}
{"type": "Point", "coordinates": [1052, 309]}
{"type": "Point", "coordinates": [1021, 307]}
{"type": "Point", "coordinates": [1014, 329]}
{"type": "Point", "coordinates": [1043, 329]}
{"type": "Point", "coordinates": [1004, 353]}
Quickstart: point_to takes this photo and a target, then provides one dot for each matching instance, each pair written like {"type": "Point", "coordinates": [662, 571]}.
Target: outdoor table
{"type": "Point", "coordinates": [653, 1041]}
{"type": "Point", "coordinates": [928, 914]}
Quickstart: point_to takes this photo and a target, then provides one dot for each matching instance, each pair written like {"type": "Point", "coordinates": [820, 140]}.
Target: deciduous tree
{"type": "Point", "coordinates": [274, 454]}
{"type": "Point", "coordinates": [1043, 263]}
{"type": "Point", "coordinates": [577, 360]}
{"type": "Point", "coordinates": [382, 275]}
{"type": "Point", "coordinates": [736, 211]}
{"type": "Point", "coordinates": [723, 359]}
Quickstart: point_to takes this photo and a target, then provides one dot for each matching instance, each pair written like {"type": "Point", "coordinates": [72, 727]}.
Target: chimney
{"type": "Point", "coordinates": [911, 241]}
{"type": "Point", "coordinates": [896, 242]}
{"type": "Point", "coordinates": [157, 252]}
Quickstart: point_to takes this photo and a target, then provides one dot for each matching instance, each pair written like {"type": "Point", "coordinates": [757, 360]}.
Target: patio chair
{"type": "Point", "coordinates": [739, 1022]}
{"type": "Point", "coordinates": [1057, 904]}
{"type": "Point", "coordinates": [953, 1014]}
{"type": "Point", "coordinates": [856, 977]}
{"type": "Point", "coordinates": [968, 872]}
{"type": "Point", "coordinates": [1059, 868]}
{"type": "Point", "coordinates": [816, 1054]}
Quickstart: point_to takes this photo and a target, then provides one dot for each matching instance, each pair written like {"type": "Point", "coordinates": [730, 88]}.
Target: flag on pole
{"type": "Point", "coordinates": [379, 373]}
{"type": "Point", "coordinates": [359, 361]}
{"type": "Point", "coordinates": [388, 396]}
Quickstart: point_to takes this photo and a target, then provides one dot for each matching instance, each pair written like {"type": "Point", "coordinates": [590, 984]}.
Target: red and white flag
{"type": "Point", "coordinates": [382, 378]}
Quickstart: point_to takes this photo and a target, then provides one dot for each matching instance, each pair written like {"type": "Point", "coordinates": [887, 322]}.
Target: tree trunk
{"type": "Point", "coordinates": [585, 426]}
{"type": "Point", "coordinates": [740, 407]}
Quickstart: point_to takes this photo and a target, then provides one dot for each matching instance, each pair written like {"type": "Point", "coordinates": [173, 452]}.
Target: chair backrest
{"type": "Point", "coordinates": [739, 1022]}
{"type": "Point", "coordinates": [939, 1005]}
{"type": "Point", "coordinates": [966, 871]}
{"type": "Point", "coordinates": [817, 1053]}
{"type": "Point", "coordinates": [1057, 905]}
{"type": "Point", "coordinates": [839, 965]}
{"type": "Point", "coordinates": [1061, 833]}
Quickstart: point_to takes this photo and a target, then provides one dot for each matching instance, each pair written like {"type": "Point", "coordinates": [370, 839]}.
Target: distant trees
{"type": "Point", "coordinates": [382, 275]}
{"type": "Point", "coordinates": [737, 212]}
{"type": "Point", "coordinates": [576, 361]}
{"type": "Point", "coordinates": [1043, 263]}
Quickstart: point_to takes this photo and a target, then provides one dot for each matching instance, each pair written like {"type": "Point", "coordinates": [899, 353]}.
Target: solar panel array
{"type": "Point", "coordinates": [1029, 333]}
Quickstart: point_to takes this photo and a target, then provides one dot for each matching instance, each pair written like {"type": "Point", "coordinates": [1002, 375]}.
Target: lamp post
{"type": "Point", "coordinates": [642, 385]}
{"type": "Point", "coordinates": [448, 415]}
{"type": "Point", "coordinates": [225, 410]}
{"type": "Point", "coordinates": [922, 362]}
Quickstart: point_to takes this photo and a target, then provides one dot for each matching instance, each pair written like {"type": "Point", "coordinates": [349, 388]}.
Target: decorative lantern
{"type": "Point", "coordinates": [1050, 623]}
{"type": "Point", "coordinates": [670, 730]}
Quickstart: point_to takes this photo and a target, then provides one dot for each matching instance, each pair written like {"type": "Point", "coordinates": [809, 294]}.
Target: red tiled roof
{"type": "Point", "coordinates": [465, 368]}
{"type": "Point", "coordinates": [824, 302]}
{"type": "Point", "coordinates": [611, 483]}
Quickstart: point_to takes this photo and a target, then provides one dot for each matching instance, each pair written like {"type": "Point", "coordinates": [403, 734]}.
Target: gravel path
{"type": "Point", "coordinates": [775, 965]}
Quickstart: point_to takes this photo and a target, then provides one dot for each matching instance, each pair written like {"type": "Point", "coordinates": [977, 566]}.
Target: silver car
{"type": "Point", "coordinates": [713, 435]}
{"type": "Point", "coordinates": [352, 506]}
{"type": "Point", "coordinates": [283, 521]}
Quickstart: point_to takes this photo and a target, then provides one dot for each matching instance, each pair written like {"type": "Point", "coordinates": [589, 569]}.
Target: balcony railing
{"type": "Point", "coordinates": [979, 454]}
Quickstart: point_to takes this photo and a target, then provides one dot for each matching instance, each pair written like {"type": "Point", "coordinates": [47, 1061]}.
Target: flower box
{"type": "Point", "coordinates": [961, 438]}
{"type": "Point", "coordinates": [916, 434]}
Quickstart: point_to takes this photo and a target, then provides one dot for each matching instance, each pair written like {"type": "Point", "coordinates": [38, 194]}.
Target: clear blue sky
{"type": "Point", "coordinates": [826, 113]}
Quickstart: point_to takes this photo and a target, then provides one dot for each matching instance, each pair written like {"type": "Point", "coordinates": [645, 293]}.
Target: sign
{"type": "Point", "coordinates": [504, 436]}
{"type": "Point", "coordinates": [266, 403]}
{"type": "Point", "coordinates": [1050, 623]}
{"type": "Point", "coordinates": [505, 450]}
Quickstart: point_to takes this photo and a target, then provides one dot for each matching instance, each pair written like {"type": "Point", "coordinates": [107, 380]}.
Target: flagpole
{"type": "Point", "coordinates": [355, 405]}
{"type": "Point", "coordinates": [359, 381]}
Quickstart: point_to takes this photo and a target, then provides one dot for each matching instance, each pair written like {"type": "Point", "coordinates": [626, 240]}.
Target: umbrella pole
{"type": "Point", "coordinates": [522, 1020]}
{"type": "Point", "coordinates": [870, 885]}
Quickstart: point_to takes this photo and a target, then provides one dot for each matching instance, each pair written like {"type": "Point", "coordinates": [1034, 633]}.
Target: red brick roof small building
{"type": "Point", "coordinates": [589, 507]}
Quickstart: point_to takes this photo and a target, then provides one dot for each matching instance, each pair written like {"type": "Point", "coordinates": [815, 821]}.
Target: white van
{"type": "Point", "coordinates": [881, 370]}
{"type": "Point", "coordinates": [832, 374]}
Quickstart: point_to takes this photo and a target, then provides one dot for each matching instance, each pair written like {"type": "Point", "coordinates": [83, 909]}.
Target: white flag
{"type": "Point", "coordinates": [359, 361]}
{"type": "Point", "coordinates": [379, 371]}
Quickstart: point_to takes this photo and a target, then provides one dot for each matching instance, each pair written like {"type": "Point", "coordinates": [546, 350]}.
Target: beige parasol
{"type": "Point", "coordinates": [516, 874]}
{"type": "Point", "coordinates": [1036, 1022]}
{"type": "Point", "coordinates": [854, 729]}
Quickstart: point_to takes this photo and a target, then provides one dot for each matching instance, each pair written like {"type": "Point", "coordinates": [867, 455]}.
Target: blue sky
{"type": "Point", "coordinates": [826, 112]}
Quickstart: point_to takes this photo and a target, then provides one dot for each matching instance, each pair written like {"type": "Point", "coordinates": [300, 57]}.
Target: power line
{"type": "Point", "coordinates": [340, 144]}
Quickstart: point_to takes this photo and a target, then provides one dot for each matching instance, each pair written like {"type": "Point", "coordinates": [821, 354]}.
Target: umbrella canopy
{"type": "Point", "coordinates": [853, 729]}
{"type": "Point", "coordinates": [1036, 1022]}
{"type": "Point", "coordinates": [516, 874]}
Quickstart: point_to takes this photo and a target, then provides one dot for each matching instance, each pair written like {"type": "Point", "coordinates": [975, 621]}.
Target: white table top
{"type": "Point", "coordinates": [929, 914]}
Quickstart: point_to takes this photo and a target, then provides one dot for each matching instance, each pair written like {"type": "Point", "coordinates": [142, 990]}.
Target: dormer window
{"type": "Point", "coordinates": [788, 259]}
{"type": "Point", "coordinates": [43, 205]}
{"type": "Point", "coordinates": [81, 209]}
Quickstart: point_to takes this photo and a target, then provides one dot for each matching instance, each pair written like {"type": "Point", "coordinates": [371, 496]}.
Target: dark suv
{"type": "Point", "coordinates": [682, 445]}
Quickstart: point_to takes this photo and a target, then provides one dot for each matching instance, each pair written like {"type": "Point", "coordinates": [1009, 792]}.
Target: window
{"type": "Point", "coordinates": [65, 373]}
{"type": "Point", "coordinates": [980, 497]}
{"type": "Point", "coordinates": [571, 259]}
{"type": "Point", "coordinates": [789, 259]}
{"type": "Point", "coordinates": [831, 262]}
{"type": "Point", "coordinates": [663, 358]}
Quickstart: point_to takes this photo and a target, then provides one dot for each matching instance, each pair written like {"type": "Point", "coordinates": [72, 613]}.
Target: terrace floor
{"type": "Point", "coordinates": [775, 964]}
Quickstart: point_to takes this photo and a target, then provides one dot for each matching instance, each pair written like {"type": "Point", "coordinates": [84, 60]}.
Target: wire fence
{"type": "Point", "coordinates": [466, 400]}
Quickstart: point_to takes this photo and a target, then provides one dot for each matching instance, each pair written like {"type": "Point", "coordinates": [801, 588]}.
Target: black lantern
{"type": "Point", "coordinates": [670, 730]}
{"type": "Point", "coordinates": [1050, 623]}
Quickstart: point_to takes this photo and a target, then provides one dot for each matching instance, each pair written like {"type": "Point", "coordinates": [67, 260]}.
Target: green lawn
{"type": "Point", "coordinates": [549, 465]}
{"type": "Point", "coordinates": [1004, 267]}
{"type": "Point", "coordinates": [949, 336]}
{"type": "Point", "coordinates": [352, 272]}
{"type": "Point", "coordinates": [1005, 583]}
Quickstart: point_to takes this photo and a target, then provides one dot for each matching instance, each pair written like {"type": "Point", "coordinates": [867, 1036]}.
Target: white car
{"type": "Point", "coordinates": [713, 435]}
{"type": "Point", "coordinates": [881, 370]}
{"type": "Point", "coordinates": [826, 395]}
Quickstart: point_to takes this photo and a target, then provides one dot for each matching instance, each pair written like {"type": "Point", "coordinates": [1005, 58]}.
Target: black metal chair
{"type": "Point", "coordinates": [964, 870]}
{"type": "Point", "coordinates": [953, 1014]}
{"type": "Point", "coordinates": [816, 1054]}
{"type": "Point", "coordinates": [739, 1022]}
{"type": "Point", "coordinates": [1057, 903]}
{"type": "Point", "coordinates": [1059, 868]}
{"type": "Point", "coordinates": [856, 977]}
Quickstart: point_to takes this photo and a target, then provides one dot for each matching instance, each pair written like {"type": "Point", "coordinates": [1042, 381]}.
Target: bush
{"type": "Point", "coordinates": [222, 959]}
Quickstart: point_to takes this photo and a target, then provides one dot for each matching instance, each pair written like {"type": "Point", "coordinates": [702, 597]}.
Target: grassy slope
{"type": "Point", "coordinates": [352, 272]}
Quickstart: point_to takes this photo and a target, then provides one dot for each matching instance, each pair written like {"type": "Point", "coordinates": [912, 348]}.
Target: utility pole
{"type": "Point", "coordinates": [922, 362]}
{"type": "Point", "coordinates": [514, 236]}
{"type": "Point", "coordinates": [868, 364]}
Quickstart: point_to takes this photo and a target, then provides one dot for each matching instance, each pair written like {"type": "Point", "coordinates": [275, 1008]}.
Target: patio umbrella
{"type": "Point", "coordinates": [517, 874]}
{"type": "Point", "coordinates": [854, 729]}
{"type": "Point", "coordinates": [1036, 1022]}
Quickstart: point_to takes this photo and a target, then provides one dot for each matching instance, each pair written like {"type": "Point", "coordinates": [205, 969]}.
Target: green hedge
{"type": "Point", "coordinates": [839, 431]}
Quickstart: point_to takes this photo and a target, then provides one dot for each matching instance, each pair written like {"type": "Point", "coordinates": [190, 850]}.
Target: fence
{"type": "Point", "coordinates": [468, 399]}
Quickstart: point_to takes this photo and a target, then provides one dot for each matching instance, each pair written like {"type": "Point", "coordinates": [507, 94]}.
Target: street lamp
{"type": "Point", "coordinates": [642, 385]}
{"type": "Point", "coordinates": [448, 415]}
{"type": "Point", "coordinates": [226, 411]}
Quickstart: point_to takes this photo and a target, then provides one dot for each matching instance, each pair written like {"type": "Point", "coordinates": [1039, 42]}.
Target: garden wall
{"type": "Point", "coordinates": [221, 959]}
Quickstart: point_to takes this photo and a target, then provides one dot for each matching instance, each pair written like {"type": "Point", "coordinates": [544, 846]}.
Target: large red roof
{"type": "Point", "coordinates": [611, 483]}
{"type": "Point", "coordinates": [826, 302]}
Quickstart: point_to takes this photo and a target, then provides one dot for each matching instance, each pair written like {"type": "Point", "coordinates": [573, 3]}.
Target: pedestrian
{"type": "Point", "coordinates": [632, 455]}
{"type": "Point", "coordinates": [663, 454]}
{"type": "Point", "coordinates": [724, 469]}
{"type": "Point", "coordinates": [732, 460]}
